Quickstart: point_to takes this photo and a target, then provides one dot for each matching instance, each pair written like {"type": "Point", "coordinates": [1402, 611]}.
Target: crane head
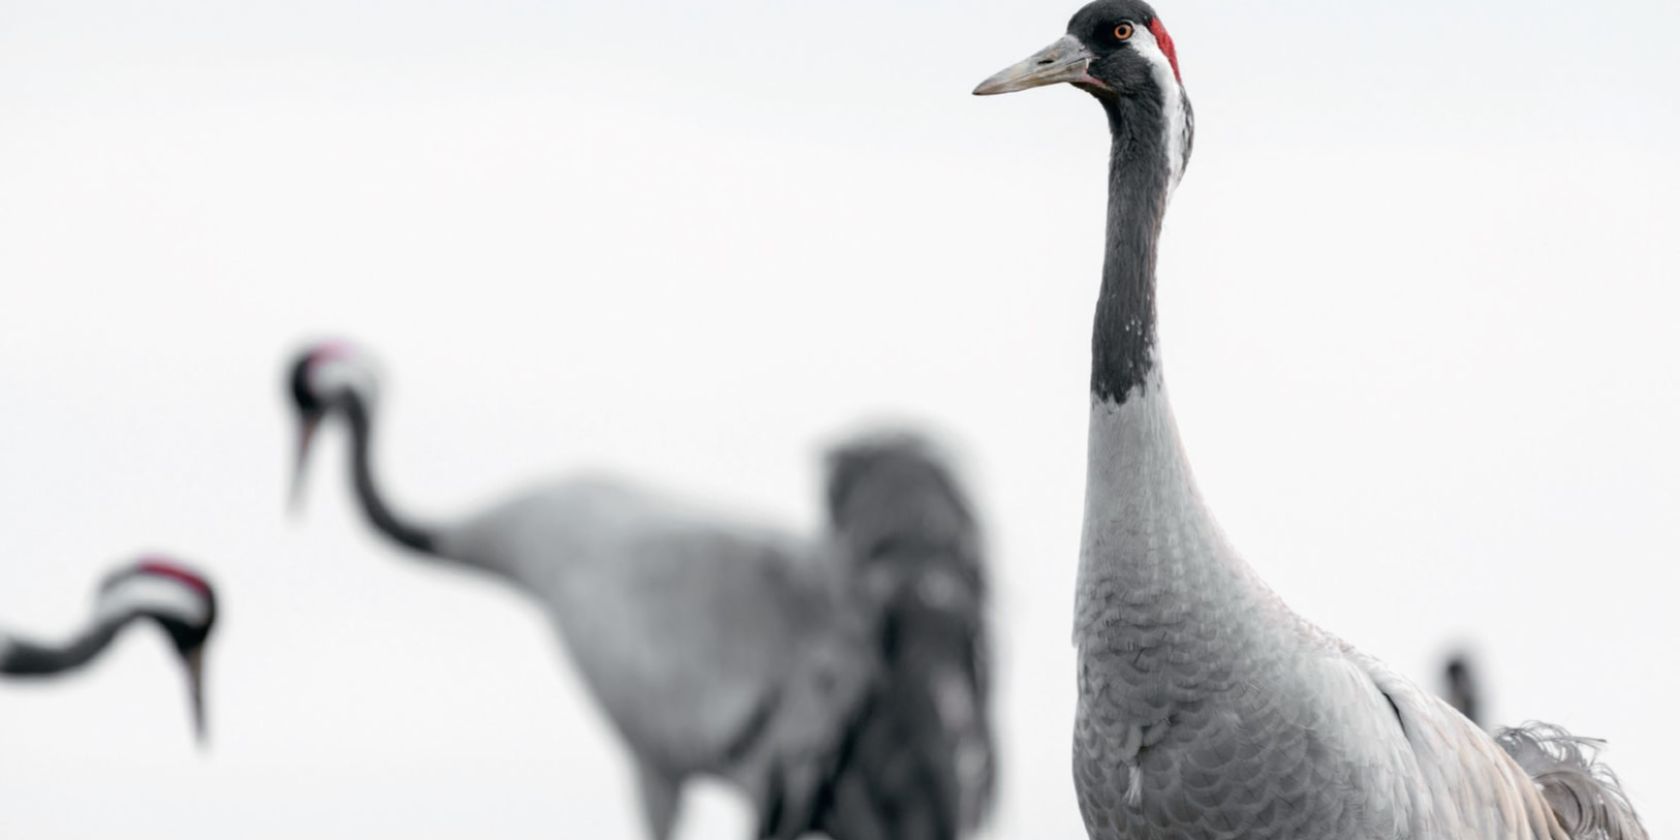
{"type": "Point", "coordinates": [322, 377]}
{"type": "Point", "coordinates": [1112, 49]}
{"type": "Point", "coordinates": [1119, 52]}
{"type": "Point", "coordinates": [181, 602]}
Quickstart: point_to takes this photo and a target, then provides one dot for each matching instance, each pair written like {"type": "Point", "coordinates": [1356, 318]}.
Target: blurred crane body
{"type": "Point", "coordinates": [717, 647]}
{"type": "Point", "coordinates": [1462, 687]}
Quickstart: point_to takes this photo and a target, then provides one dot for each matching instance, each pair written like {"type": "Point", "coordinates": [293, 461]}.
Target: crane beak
{"type": "Point", "coordinates": [194, 663]}
{"type": "Point", "coordinates": [307, 424]}
{"type": "Point", "coordinates": [1066, 60]}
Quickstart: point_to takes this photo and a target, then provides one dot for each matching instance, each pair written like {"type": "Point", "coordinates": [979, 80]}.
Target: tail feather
{"type": "Point", "coordinates": [1584, 794]}
{"type": "Point", "coordinates": [919, 762]}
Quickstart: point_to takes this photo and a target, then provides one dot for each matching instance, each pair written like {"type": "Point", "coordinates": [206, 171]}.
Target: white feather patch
{"type": "Point", "coordinates": [341, 368]}
{"type": "Point", "coordinates": [154, 595]}
{"type": "Point", "coordinates": [1176, 116]}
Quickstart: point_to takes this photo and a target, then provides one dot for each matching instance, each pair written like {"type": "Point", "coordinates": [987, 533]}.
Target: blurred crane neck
{"type": "Point", "coordinates": [20, 658]}
{"type": "Point", "coordinates": [398, 527]}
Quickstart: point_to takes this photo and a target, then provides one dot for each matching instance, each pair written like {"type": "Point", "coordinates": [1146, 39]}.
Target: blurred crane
{"type": "Point", "coordinates": [715, 646]}
{"type": "Point", "coordinates": [1461, 686]}
{"type": "Point", "coordinates": [1206, 707]}
{"type": "Point", "coordinates": [178, 601]}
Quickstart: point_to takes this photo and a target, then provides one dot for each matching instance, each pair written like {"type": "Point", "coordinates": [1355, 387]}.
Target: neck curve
{"type": "Point", "coordinates": [1149, 541]}
{"type": "Point", "coordinates": [21, 658]}
{"type": "Point", "coordinates": [398, 527]}
{"type": "Point", "coordinates": [1123, 339]}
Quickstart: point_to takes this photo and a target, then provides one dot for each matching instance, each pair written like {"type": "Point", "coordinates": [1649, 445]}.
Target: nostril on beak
{"type": "Point", "coordinates": [1044, 61]}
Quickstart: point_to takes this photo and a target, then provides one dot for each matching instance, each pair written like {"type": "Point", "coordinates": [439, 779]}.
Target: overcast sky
{"type": "Point", "coordinates": [1418, 305]}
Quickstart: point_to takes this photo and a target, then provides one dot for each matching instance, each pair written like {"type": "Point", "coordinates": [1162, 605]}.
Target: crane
{"type": "Point", "coordinates": [717, 647]}
{"type": "Point", "coordinates": [1207, 708]}
{"type": "Point", "coordinates": [153, 589]}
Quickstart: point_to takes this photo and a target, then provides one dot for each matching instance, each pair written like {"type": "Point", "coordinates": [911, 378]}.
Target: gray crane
{"type": "Point", "coordinates": [717, 647]}
{"type": "Point", "coordinates": [1206, 707]}
{"type": "Point", "coordinates": [158, 590]}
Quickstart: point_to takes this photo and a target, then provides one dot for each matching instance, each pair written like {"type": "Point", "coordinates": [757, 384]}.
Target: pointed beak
{"type": "Point", "coordinates": [194, 663]}
{"type": "Point", "coordinates": [1067, 60]}
{"type": "Point", "coordinates": [307, 424]}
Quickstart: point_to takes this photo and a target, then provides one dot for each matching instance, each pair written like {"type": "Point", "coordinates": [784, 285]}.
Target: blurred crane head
{"type": "Point", "coordinates": [324, 377]}
{"type": "Point", "coordinates": [178, 600]}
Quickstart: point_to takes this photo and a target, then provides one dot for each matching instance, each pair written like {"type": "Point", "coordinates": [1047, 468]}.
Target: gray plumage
{"type": "Point", "coordinates": [1584, 794]}
{"type": "Point", "coordinates": [717, 647]}
{"type": "Point", "coordinates": [1207, 708]}
{"type": "Point", "coordinates": [919, 761]}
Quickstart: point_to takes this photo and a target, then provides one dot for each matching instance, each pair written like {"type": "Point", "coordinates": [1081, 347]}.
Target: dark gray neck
{"type": "Point", "coordinates": [379, 512]}
{"type": "Point", "coordinates": [1123, 341]}
{"type": "Point", "coordinates": [20, 658]}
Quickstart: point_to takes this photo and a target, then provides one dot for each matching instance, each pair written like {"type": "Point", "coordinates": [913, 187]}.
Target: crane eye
{"type": "Point", "coordinates": [1123, 32]}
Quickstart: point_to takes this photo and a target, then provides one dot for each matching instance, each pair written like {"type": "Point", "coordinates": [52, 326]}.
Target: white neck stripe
{"type": "Point", "coordinates": [345, 372]}
{"type": "Point", "coordinates": [1175, 114]}
{"type": "Point", "coordinates": [154, 595]}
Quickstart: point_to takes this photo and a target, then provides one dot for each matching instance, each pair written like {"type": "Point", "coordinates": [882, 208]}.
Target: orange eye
{"type": "Point", "coordinates": [1123, 32]}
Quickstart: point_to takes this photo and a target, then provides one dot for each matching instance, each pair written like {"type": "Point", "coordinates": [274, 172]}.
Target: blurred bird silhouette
{"type": "Point", "coordinates": [1462, 687]}
{"type": "Point", "coordinates": [159, 590]}
{"type": "Point", "coordinates": [717, 647]}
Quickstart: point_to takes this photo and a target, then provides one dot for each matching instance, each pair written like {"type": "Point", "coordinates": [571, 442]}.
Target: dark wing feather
{"type": "Point", "coordinates": [918, 759]}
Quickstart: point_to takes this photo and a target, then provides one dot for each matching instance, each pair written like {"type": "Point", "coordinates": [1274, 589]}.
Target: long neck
{"type": "Point", "coordinates": [21, 658]}
{"type": "Point", "coordinates": [1123, 341]}
{"type": "Point", "coordinates": [1149, 542]}
{"type": "Point", "coordinates": [379, 512]}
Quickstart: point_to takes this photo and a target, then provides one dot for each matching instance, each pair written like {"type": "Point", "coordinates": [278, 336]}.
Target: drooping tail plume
{"type": "Point", "coordinates": [1584, 793]}
{"type": "Point", "coordinates": [919, 762]}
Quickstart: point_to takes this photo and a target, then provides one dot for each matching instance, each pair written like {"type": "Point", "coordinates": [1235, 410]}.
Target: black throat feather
{"type": "Point", "coordinates": [1123, 339]}
{"type": "Point", "coordinates": [401, 529]}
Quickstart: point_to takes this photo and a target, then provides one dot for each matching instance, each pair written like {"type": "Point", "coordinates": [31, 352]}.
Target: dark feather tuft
{"type": "Point", "coordinates": [919, 760]}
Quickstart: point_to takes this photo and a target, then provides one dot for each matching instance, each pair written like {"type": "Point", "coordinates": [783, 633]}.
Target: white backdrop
{"type": "Point", "coordinates": [1417, 308]}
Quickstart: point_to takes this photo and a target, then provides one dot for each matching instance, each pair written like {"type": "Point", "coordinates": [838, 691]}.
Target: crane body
{"type": "Point", "coordinates": [716, 646]}
{"type": "Point", "coordinates": [1207, 708]}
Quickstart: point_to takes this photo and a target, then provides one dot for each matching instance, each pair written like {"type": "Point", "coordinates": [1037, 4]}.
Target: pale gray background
{"type": "Point", "coordinates": [1418, 308]}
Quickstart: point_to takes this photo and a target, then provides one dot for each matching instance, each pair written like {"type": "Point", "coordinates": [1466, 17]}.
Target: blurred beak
{"type": "Point", "coordinates": [307, 424]}
{"type": "Point", "coordinates": [194, 662]}
{"type": "Point", "coordinates": [1067, 60]}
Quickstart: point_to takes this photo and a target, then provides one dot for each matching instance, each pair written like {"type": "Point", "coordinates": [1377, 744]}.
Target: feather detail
{"type": "Point", "coordinates": [1584, 794]}
{"type": "Point", "coordinates": [1134, 786]}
